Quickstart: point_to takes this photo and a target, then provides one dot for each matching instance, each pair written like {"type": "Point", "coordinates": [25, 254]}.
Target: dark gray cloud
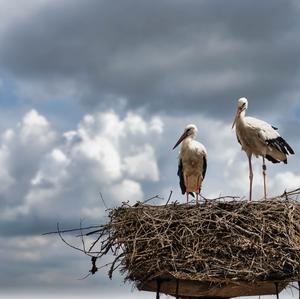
{"type": "Point", "coordinates": [161, 55]}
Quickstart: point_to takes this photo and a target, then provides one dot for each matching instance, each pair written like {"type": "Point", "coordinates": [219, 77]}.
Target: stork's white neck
{"type": "Point", "coordinates": [242, 115]}
{"type": "Point", "coordinates": [188, 140]}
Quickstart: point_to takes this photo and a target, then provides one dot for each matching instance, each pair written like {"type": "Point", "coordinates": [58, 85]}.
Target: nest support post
{"type": "Point", "coordinates": [184, 289]}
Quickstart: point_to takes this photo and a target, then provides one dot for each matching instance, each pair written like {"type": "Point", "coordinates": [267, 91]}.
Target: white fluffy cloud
{"type": "Point", "coordinates": [105, 153]}
{"type": "Point", "coordinates": [6, 179]}
{"type": "Point", "coordinates": [128, 191]}
{"type": "Point", "coordinates": [286, 180]}
{"type": "Point", "coordinates": [35, 129]}
{"type": "Point", "coordinates": [43, 172]}
{"type": "Point", "coordinates": [143, 159]}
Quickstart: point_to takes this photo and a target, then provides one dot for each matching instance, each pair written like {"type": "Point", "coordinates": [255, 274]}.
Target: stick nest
{"type": "Point", "coordinates": [218, 241]}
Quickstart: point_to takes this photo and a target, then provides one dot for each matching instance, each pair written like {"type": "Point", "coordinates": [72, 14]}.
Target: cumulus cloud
{"type": "Point", "coordinates": [35, 129]}
{"type": "Point", "coordinates": [128, 191]}
{"type": "Point", "coordinates": [6, 179]}
{"type": "Point", "coordinates": [104, 153]}
{"type": "Point", "coordinates": [133, 164]}
{"type": "Point", "coordinates": [286, 181]}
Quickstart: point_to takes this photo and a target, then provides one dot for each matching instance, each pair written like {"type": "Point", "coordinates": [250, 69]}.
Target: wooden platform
{"type": "Point", "coordinates": [189, 288]}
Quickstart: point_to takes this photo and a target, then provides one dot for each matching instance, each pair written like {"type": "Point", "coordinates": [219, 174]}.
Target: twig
{"type": "Point", "coordinates": [153, 197]}
{"type": "Point", "coordinates": [103, 201]}
{"type": "Point", "coordinates": [169, 198]}
{"type": "Point", "coordinates": [82, 239]}
{"type": "Point", "coordinates": [70, 245]}
{"type": "Point", "coordinates": [72, 230]}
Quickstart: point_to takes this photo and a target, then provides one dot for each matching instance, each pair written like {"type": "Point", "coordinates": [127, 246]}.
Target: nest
{"type": "Point", "coordinates": [219, 241]}
{"type": "Point", "coordinates": [216, 241]}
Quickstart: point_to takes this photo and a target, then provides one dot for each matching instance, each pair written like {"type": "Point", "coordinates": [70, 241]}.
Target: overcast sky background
{"type": "Point", "coordinates": [93, 96]}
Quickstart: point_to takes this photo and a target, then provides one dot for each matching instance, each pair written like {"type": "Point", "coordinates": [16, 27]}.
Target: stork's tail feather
{"type": "Point", "coordinates": [270, 158]}
{"type": "Point", "coordinates": [281, 145]}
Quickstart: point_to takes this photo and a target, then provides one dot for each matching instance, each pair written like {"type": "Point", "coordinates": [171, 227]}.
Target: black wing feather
{"type": "Point", "coordinates": [181, 179]}
{"type": "Point", "coordinates": [270, 158]}
{"type": "Point", "coordinates": [280, 144]}
{"type": "Point", "coordinates": [204, 167]}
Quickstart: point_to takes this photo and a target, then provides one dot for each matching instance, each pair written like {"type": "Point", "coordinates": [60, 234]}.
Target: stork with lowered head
{"type": "Point", "coordinates": [192, 162]}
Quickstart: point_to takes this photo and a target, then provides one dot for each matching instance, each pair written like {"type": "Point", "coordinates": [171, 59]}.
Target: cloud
{"type": "Point", "coordinates": [35, 129]}
{"type": "Point", "coordinates": [105, 153]}
{"type": "Point", "coordinates": [6, 179]}
{"type": "Point", "coordinates": [132, 165]}
{"type": "Point", "coordinates": [128, 191]}
{"type": "Point", "coordinates": [20, 151]}
{"type": "Point", "coordinates": [12, 13]}
{"type": "Point", "coordinates": [286, 180]}
{"type": "Point", "coordinates": [168, 56]}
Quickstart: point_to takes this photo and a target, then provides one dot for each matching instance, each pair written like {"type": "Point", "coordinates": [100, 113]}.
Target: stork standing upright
{"type": "Point", "coordinates": [260, 139]}
{"type": "Point", "coordinates": [192, 162]}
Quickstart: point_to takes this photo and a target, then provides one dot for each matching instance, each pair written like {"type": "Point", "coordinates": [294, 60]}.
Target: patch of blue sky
{"type": "Point", "coordinates": [64, 112]}
{"type": "Point", "coordinates": [8, 96]}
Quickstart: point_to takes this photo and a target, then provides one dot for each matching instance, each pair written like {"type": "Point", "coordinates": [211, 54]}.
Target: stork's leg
{"type": "Point", "coordinates": [198, 191]}
{"type": "Point", "coordinates": [250, 176]}
{"type": "Point", "coordinates": [264, 167]}
{"type": "Point", "coordinates": [187, 193]}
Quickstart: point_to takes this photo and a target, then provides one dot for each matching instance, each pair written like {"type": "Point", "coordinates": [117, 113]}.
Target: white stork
{"type": "Point", "coordinates": [260, 139]}
{"type": "Point", "coordinates": [192, 162]}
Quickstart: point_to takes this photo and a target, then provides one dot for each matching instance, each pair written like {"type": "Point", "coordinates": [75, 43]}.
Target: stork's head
{"type": "Point", "coordinates": [189, 131]}
{"type": "Point", "coordinates": [241, 107]}
{"type": "Point", "coordinates": [242, 104]}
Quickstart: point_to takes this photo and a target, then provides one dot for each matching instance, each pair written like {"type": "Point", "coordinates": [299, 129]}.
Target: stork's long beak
{"type": "Point", "coordinates": [237, 114]}
{"type": "Point", "coordinates": [182, 137]}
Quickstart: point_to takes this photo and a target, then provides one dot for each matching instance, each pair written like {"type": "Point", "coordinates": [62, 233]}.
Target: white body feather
{"type": "Point", "coordinates": [253, 135]}
{"type": "Point", "coordinates": [192, 155]}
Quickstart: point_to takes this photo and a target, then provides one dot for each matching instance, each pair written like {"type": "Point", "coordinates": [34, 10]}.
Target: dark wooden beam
{"type": "Point", "coordinates": [204, 290]}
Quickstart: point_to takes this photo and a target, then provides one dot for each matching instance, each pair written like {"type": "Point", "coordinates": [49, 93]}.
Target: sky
{"type": "Point", "coordinates": [95, 93]}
